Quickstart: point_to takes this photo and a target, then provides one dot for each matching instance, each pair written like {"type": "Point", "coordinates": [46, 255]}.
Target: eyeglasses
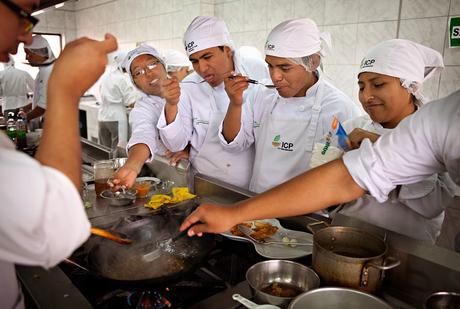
{"type": "Point", "coordinates": [142, 71]}
{"type": "Point", "coordinates": [29, 20]}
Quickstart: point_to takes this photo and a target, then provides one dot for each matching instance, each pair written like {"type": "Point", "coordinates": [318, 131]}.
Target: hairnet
{"type": "Point", "coordinates": [297, 38]}
{"type": "Point", "coordinates": [40, 46]}
{"type": "Point", "coordinates": [177, 59]}
{"type": "Point", "coordinates": [206, 32]}
{"type": "Point", "coordinates": [411, 62]}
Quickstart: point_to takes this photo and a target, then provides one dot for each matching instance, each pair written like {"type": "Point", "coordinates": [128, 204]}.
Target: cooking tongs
{"type": "Point", "coordinates": [247, 231]}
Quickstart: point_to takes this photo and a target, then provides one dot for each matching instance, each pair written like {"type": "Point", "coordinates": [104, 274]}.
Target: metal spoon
{"type": "Point", "coordinates": [253, 81]}
{"type": "Point", "coordinates": [192, 82]}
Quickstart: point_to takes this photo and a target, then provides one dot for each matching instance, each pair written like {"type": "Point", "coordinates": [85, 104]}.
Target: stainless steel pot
{"type": "Point", "coordinates": [442, 300]}
{"type": "Point", "coordinates": [337, 298]}
{"type": "Point", "coordinates": [350, 257]}
{"type": "Point", "coordinates": [291, 274]}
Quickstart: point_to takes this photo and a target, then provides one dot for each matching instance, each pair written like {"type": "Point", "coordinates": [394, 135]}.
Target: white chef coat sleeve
{"type": "Point", "coordinates": [143, 119]}
{"type": "Point", "coordinates": [245, 137]}
{"type": "Point", "coordinates": [128, 91]}
{"type": "Point", "coordinates": [45, 75]}
{"type": "Point", "coordinates": [30, 82]}
{"type": "Point", "coordinates": [43, 219]}
{"type": "Point", "coordinates": [177, 134]}
{"type": "Point", "coordinates": [407, 154]}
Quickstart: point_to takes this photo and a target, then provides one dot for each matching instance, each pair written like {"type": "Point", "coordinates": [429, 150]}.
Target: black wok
{"type": "Point", "coordinates": [125, 263]}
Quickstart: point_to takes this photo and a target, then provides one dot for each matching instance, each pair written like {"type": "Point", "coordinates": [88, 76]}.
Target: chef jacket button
{"type": "Point", "coordinates": [228, 165]}
{"type": "Point", "coordinates": [301, 108]}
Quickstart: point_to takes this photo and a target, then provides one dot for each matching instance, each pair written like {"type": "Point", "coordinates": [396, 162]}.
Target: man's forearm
{"type": "Point", "coordinates": [60, 144]}
{"type": "Point", "coordinates": [327, 185]}
{"type": "Point", "coordinates": [137, 155]}
{"type": "Point", "coordinates": [170, 113]}
{"type": "Point", "coordinates": [232, 122]}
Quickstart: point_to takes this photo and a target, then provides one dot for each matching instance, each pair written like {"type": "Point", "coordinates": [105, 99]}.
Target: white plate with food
{"type": "Point", "coordinates": [271, 230]}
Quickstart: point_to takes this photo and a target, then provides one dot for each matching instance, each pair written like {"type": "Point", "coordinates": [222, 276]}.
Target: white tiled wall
{"type": "Point", "coordinates": [355, 25]}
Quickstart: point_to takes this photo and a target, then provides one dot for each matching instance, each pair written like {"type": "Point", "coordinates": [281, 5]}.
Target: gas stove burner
{"type": "Point", "coordinates": [147, 300]}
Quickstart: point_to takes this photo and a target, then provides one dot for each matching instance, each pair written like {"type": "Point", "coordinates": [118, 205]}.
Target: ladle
{"type": "Point", "coordinates": [249, 304]}
{"type": "Point", "coordinates": [106, 234]}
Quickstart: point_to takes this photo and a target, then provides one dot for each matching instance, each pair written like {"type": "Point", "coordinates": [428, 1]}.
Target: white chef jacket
{"type": "Point", "coordinates": [201, 110]}
{"type": "Point", "coordinates": [39, 228]}
{"type": "Point", "coordinates": [14, 86]}
{"type": "Point", "coordinates": [428, 142]}
{"type": "Point", "coordinates": [41, 85]}
{"type": "Point", "coordinates": [415, 210]}
{"type": "Point", "coordinates": [284, 130]}
{"type": "Point", "coordinates": [117, 92]}
{"type": "Point", "coordinates": [143, 119]}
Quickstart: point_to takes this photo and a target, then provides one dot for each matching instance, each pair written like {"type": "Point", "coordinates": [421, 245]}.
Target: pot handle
{"type": "Point", "coordinates": [311, 226]}
{"type": "Point", "coordinates": [388, 263]}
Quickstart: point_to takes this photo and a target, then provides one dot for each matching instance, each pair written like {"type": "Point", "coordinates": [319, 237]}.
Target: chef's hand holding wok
{"type": "Point", "coordinates": [210, 218]}
{"type": "Point", "coordinates": [357, 135]}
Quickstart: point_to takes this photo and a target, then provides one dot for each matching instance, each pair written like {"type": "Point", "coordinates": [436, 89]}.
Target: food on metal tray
{"type": "Point", "coordinates": [262, 230]}
{"type": "Point", "coordinates": [290, 241]}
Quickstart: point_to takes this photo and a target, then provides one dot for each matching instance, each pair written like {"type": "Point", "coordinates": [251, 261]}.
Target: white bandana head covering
{"type": "Point", "coordinates": [40, 46]}
{"type": "Point", "coordinates": [411, 62]}
{"type": "Point", "coordinates": [174, 58]}
{"type": "Point", "coordinates": [297, 38]}
{"type": "Point", "coordinates": [206, 32]}
{"type": "Point", "coordinates": [142, 49]}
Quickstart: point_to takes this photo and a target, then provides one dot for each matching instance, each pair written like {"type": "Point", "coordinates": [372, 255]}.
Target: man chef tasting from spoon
{"type": "Point", "coordinates": [285, 124]}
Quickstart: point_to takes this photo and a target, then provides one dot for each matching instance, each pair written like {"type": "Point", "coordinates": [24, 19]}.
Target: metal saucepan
{"type": "Point", "coordinates": [442, 300]}
{"type": "Point", "coordinates": [350, 257]}
{"type": "Point", "coordinates": [277, 282]}
{"type": "Point", "coordinates": [337, 298]}
{"type": "Point", "coordinates": [125, 263]}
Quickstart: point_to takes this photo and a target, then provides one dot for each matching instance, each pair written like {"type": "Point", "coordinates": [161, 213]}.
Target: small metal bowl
{"type": "Point", "coordinates": [262, 274]}
{"type": "Point", "coordinates": [119, 198]}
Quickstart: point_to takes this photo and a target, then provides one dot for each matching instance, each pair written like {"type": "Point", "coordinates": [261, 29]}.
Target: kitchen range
{"type": "Point", "coordinates": [209, 278]}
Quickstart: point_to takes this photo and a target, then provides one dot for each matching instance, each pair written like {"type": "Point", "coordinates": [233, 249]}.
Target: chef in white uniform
{"type": "Point", "coordinates": [42, 218]}
{"type": "Point", "coordinates": [14, 86]}
{"type": "Point", "coordinates": [390, 81]}
{"type": "Point", "coordinates": [117, 92]}
{"type": "Point", "coordinates": [147, 70]}
{"type": "Point", "coordinates": [203, 102]}
{"type": "Point", "coordinates": [285, 123]}
{"type": "Point", "coordinates": [421, 145]}
{"type": "Point", "coordinates": [39, 54]}
{"type": "Point", "coordinates": [177, 64]}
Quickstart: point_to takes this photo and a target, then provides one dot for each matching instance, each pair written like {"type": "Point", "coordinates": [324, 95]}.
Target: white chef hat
{"type": "Point", "coordinates": [411, 62]}
{"type": "Point", "coordinates": [206, 32]}
{"type": "Point", "coordinates": [176, 59]}
{"type": "Point", "coordinates": [297, 38]}
{"type": "Point", "coordinates": [40, 46]}
{"type": "Point", "coordinates": [142, 49]}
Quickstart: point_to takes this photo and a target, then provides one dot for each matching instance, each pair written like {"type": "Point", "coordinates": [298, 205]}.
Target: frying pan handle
{"type": "Point", "coordinates": [311, 226]}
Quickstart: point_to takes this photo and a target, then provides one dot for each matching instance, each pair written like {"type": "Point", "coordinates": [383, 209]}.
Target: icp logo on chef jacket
{"type": "Point", "coordinates": [282, 145]}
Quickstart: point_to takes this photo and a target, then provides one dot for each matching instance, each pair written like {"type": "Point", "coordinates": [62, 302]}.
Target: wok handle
{"type": "Point", "coordinates": [310, 226]}
{"type": "Point", "coordinates": [69, 261]}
